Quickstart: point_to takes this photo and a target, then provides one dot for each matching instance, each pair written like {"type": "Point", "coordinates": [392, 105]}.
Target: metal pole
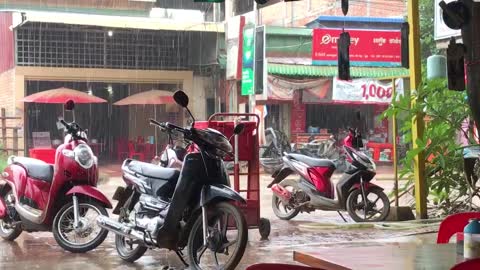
{"type": "Point", "coordinates": [251, 98]}
{"type": "Point", "coordinates": [395, 156]}
{"type": "Point", "coordinates": [155, 140]}
{"type": "Point", "coordinates": [471, 39]}
{"type": "Point", "coordinates": [418, 124]}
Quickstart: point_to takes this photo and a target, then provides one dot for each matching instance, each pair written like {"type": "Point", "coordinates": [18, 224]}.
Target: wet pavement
{"type": "Point", "coordinates": [40, 251]}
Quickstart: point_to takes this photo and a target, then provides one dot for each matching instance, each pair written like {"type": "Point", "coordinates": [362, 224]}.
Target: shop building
{"type": "Point", "coordinates": [108, 56]}
{"type": "Point", "coordinates": [306, 101]}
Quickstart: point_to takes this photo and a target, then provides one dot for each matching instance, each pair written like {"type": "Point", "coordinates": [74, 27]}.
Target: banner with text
{"type": "Point", "coordinates": [365, 91]}
{"type": "Point", "coordinates": [368, 47]}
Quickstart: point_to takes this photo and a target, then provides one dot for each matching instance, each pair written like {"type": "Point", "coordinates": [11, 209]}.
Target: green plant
{"type": "Point", "coordinates": [3, 159]}
{"type": "Point", "coordinates": [443, 111]}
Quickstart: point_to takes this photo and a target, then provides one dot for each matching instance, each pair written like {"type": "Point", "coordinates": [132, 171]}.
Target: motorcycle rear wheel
{"type": "Point", "coordinates": [287, 212]}
{"type": "Point", "coordinates": [127, 251]}
{"type": "Point", "coordinates": [220, 241]}
{"type": "Point", "coordinates": [6, 231]}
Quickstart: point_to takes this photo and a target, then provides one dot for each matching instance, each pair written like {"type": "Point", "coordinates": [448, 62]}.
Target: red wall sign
{"type": "Point", "coordinates": [381, 48]}
{"type": "Point", "coordinates": [298, 114]}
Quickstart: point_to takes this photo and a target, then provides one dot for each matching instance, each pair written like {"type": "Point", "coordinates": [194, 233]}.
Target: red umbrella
{"type": "Point", "coordinates": [62, 95]}
{"type": "Point", "coordinates": [152, 97]}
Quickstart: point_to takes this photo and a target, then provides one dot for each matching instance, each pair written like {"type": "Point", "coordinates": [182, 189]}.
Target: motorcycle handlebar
{"type": "Point", "coordinates": [64, 123]}
{"type": "Point", "coordinates": [167, 126]}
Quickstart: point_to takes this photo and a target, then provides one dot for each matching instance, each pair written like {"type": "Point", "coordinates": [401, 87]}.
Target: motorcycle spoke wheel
{"type": "Point", "coordinates": [89, 230]}
{"type": "Point", "coordinates": [5, 228]}
{"type": "Point", "coordinates": [10, 229]}
{"type": "Point", "coordinates": [227, 237]}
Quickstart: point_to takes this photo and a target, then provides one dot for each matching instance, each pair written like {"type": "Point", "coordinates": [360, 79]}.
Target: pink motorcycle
{"type": "Point", "coordinates": [60, 197]}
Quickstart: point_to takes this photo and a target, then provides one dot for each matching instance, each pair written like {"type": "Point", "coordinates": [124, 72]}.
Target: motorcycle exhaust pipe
{"type": "Point", "coordinates": [119, 228]}
{"type": "Point", "coordinates": [282, 192]}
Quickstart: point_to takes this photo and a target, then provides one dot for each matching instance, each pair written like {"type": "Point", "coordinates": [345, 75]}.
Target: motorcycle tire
{"type": "Point", "coordinates": [275, 201]}
{"type": "Point", "coordinates": [83, 247]}
{"type": "Point", "coordinates": [9, 234]}
{"type": "Point", "coordinates": [351, 207]}
{"type": "Point", "coordinates": [195, 236]}
{"type": "Point", "coordinates": [128, 255]}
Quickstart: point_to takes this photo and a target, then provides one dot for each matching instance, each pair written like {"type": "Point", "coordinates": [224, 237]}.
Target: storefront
{"type": "Point", "coordinates": [306, 101]}
{"type": "Point", "coordinates": [318, 107]}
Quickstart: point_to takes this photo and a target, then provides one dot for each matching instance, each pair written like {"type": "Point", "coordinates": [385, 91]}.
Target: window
{"type": "Point", "coordinates": [59, 45]}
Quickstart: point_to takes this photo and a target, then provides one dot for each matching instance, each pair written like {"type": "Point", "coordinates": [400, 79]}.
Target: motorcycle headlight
{"type": "Point", "coordinates": [84, 156]}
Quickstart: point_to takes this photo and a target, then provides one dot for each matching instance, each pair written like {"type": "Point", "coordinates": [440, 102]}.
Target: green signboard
{"type": "Point", "coordinates": [248, 60]}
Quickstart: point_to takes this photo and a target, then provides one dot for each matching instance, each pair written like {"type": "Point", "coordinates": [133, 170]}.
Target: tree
{"type": "Point", "coordinates": [427, 13]}
{"type": "Point", "coordinates": [444, 112]}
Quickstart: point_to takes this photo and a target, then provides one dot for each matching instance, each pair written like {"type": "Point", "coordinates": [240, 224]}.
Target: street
{"type": "Point", "coordinates": [40, 251]}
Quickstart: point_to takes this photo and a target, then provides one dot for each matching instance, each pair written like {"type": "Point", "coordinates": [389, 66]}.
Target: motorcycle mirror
{"type": "Point", "coordinates": [239, 129]}
{"type": "Point", "coordinates": [181, 98]}
{"type": "Point", "coordinates": [69, 105]}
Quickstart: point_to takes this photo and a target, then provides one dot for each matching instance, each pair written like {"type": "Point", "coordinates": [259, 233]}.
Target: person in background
{"type": "Point", "coordinates": [471, 150]}
{"type": "Point", "coordinates": [348, 141]}
{"type": "Point", "coordinates": [353, 139]}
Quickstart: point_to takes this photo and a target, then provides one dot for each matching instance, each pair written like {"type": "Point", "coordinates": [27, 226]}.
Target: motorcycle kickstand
{"type": "Point", "coordinates": [342, 216]}
{"type": "Point", "coordinates": [180, 255]}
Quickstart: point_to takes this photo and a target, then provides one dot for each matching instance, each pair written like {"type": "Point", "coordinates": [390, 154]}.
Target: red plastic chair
{"type": "Point", "coordinates": [473, 264]}
{"type": "Point", "coordinates": [132, 153]}
{"type": "Point", "coordinates": [122, 149]}
{"type": "Point", "coordinates": [454, 224]}
{"type": "Point", "coordinates": [278, 266]}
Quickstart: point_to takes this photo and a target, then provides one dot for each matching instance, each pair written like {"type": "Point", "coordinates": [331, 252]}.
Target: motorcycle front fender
{"type": "Point", "coordinates": [279, 175]}
{"type": "Point", "coordinates": [219, 193]}
{"type": "Point", "coordinates": [91, 192]}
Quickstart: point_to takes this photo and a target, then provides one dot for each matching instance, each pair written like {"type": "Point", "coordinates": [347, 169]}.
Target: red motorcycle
{"type": "Point", "coordinates": [363, 200]}
{"type": "Point", "coordinates": [62, 198]}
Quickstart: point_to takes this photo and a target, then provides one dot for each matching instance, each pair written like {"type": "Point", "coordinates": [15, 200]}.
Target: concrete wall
{"type": "Point", "coordinates": [201, 87]}
{"type": "Point", "coordinates": [116, 4]}
{"type": "Point", "coordinates": [299, 13]}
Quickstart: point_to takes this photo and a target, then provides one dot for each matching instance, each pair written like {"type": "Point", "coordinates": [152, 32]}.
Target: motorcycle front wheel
{"type": "Point", "coordinates": [228, 236]}
{"type": "Point", "coordinates": [375, 209]}
{"type": "Point", "coordinates": [88, 235]}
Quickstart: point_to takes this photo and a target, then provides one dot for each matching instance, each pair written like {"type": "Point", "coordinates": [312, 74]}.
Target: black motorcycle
{"type": "Point", "coordinates": [182, 210]}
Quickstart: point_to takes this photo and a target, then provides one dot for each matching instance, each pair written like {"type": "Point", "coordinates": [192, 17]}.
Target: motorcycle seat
{"type": "Point", "coordinates": [36, 169]}
{"type": "Point", "coordinates": [313, 162]}
{"type": "Point", "coordinates": [153, 171]}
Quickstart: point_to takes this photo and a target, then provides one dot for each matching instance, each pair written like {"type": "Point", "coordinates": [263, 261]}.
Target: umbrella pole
{"type": "Point", "coordinates": [155, 141]}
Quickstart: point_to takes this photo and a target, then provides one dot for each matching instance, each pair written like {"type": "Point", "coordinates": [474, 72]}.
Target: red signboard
{"type": "Point", "coordinates": [298, 114]}
{"type": "Point", "coordinates": [381, 48]}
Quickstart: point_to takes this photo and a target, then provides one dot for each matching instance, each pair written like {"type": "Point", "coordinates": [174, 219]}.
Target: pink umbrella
{"type": "Point", "coordinates": [62, 95]}
{"type": "Point", "coordinates": [152, 97]}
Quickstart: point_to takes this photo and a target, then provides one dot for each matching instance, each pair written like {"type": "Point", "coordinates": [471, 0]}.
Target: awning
{"type": "Point", "coordinates": [331, 71]}
{"type": "Point", "coordinates": [111, 21]}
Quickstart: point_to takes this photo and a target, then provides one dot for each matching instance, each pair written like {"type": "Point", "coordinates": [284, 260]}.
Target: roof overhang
{"type": "Point", "coordinates": [115, 21]}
